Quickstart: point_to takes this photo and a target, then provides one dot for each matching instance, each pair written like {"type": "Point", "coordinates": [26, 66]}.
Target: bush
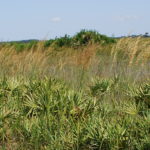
{"type": "Point", "coordinates": [99, 87]}
{"type": "Point", "coordinates": [31, 44]}
{"type": "Point", "coordinates": [19, 47]}
{"type": "Point", "coordinates": [85, 37]}
{"type": "Point", "coordinates": [82, 38]}
{"type": "Point", "coordinates": [48, 43]}
{"type": "Point", "coordinates": [142, 94]}
{"type": "Point", "coordinates": [63, 41]}
{"type": "Point", "coordinates": [46, 114]}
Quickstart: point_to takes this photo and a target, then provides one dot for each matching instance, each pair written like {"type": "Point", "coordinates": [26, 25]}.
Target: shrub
{"type": "Point", "coordinates": [31, 44]}
{"type": "Point", "coordinates": [19, 47]}
{"type": "Point", "coordinates": [63, 41]}
{"type": "Point", "coordinates": [85, 37]}
{"type": "Point", "coordinates": [142, 94]}
{"type": "Point", "coordinates": [46, 114]}
{"type": "Point", "coordinates": [99, 87]}
{"type": "Point", "coordinates": [48, 43]}
{"type": "Point", "coordinates": [82, 38]}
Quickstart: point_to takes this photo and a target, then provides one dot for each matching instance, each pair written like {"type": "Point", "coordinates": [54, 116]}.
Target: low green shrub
{"type": "Point", "coordinates": [85, 37]}
{"type": "Point", "coordinates": [31, 44]}
{"type": "Point", "coordinates": [82, 38]}
{"type": "Point", "coordinates": [48, 43]}
{"type": "Point", "coordinates": [46, 114]}
{"type": "Point", "coordinates": [142, 94]}
{"type": "Point", "coordinates": [63, 41]}
{"type": "Point", "coordinates": [20, 47]}
{"type": "Point", "coordinates": [99, 87]}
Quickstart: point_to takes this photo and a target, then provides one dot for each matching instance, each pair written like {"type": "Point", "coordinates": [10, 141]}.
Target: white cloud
{"type": "Point", "coordinates": [56, 19]}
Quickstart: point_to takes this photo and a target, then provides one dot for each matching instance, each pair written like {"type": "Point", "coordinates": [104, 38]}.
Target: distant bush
{"type": "Point", "coordinates": [20, 46]}
{"type": "Point", "coordinates": [48, 43]}
{"type": "Point", "coordinates": [82, 38]}
{"type": "Point", "coordinates": [63, 41]}
{"type": "Point", "coordinates": [31, 44]}
{"type": "Point", "coordinates": [85, 37]}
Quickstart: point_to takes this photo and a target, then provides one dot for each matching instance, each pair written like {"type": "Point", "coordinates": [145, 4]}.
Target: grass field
{"type": "Point", "coordinates": [82, 93]}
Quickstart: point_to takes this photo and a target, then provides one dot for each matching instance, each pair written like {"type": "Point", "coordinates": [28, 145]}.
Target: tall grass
{"type": "Point", "coordinates": [91, 97]}
{"type": "Point", "coordinates": [128, 57]}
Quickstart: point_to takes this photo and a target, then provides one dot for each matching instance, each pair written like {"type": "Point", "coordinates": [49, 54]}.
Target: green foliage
{"type": "Point", "coordinates": [63, 41]}
{"type": "Point", "coordinates": [31, 44]}
{"type": "Point", "coordinates": [46, 114]}
{"type": "Point", "coordinates": [43, 113]}
{"type": "Point", "coordinates": [99, 87]}
{"type": "Point", "coordinates": [82, 38]}
{"type": "Point", "coordinates": [142, 94]}
{"type": "Point", "coordinates": [85, 37]}
{"type": "Point", "coordinates": [59, 42]}
{"type": "Point", "coordinates": [19, 47]}
{"type": "Point", "coordinates": [48, 43]}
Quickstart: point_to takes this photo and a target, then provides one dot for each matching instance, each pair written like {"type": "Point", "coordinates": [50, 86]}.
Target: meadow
{"type": "Point", "coordinates": [86, 92]}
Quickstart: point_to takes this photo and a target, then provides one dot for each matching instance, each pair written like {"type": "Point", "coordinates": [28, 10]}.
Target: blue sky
{"type": "Point", "coordinates": [44, 19]}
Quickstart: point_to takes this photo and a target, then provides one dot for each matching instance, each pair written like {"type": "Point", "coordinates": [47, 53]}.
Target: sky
{"type": "Point", "coordinates": [45, 19]}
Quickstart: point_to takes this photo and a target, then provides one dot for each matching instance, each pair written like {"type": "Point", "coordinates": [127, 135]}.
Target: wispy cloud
{"type": "Point", "coordinates": [56, 19]}
{"type": "Point", "coordinates": [126, 18]}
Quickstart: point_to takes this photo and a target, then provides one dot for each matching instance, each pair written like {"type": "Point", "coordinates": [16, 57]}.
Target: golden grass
{"type": "Point", "coordinates": [135, 49]}
{"type": "Point", "coordinates": [65, 62]}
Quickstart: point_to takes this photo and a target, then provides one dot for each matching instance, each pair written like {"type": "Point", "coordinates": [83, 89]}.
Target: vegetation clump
{"type": "Point", "coordinates": [82, 38]}
{"type": "Point", "coordinates": [46, 114]}
{"type": "Point", "coordinates": [85, 37]}
{"type": "Point", "coordinates": [142, 94]}
{"type": "Point", "coordinates": [93, 98]}
{"type": "Point", "coordinates": [20, 46]}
